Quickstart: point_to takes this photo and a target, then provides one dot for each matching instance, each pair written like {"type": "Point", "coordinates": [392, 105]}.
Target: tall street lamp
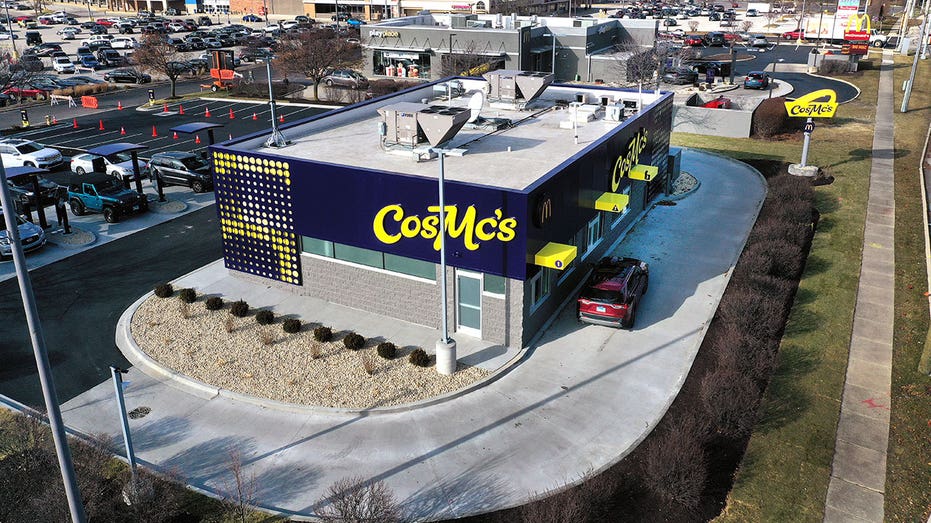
{"type": "Point", "coordinates": [445, 346]}
{"type": "Point", "coordinates": [773, 79]}
{"type": "Point", "coordinates": [276, 139]}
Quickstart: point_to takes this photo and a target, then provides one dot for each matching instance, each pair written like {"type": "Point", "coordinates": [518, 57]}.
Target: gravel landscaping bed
{"type": "Point", "coordinates": [284, 370]}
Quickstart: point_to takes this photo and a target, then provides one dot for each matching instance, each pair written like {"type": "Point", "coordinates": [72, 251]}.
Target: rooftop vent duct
{"type": "Point", "coordinates": [440, 123]}
{"type": "Point", "coordinates": [513, 86]}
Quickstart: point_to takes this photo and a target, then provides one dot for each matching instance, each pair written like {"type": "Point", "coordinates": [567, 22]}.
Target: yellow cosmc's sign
{"type": "Point", "coordinates": [818, 104]}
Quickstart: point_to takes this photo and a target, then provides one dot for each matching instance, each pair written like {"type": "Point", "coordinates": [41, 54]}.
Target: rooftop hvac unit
{"type": "Point", "coordinates": [479, 24]}
{"type": "Point", "coordinates": [411, 124]}
{"type": "Point", "coordinates": [509, 85]}
{"type": "Point", "coordinates": [460, 21]}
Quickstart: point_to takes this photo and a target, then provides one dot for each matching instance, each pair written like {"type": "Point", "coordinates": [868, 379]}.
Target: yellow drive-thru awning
{"type": "Point", "coordinates": [612, 202]}
{"type": "Point", "coordinates": [644, 172]}
{"type": "Point", "coordinates": [555, 255]}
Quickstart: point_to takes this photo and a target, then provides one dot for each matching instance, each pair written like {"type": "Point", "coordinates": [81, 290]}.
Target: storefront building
{"type": "Point", "coordinates": [437, 45]}
{"type": "Point", "coordinates": [380, 10]}
{"type": "Point", "coordinates": [540, 179]}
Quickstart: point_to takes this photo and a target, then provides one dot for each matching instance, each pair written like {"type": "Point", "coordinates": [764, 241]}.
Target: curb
{"type": "Point", "coordinates": [72, 245]}
{"type": "Point", "coordinates": [127, 345]}
{"type": "Point", "coordinates": [857, 89]}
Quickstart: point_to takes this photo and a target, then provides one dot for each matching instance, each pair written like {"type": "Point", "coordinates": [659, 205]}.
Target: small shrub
{"type": "Point", "coordinates": [185, 309]}
{"type": "Point", "coordinates": [265, 317]}
{"type": "Point", "coordinates": [267, 337]}
{"type": "Point", "coordinates": [229, 324]}
{"type": "Point", "coordinates": [368, 365]}
{"type": "Point", "coordinates": [419, 358]}
{"type": "Point", "coordinates": [387, 350]}
{"type": "Point", "coordinates": [730, 398]}
{"type": "Point", "coordinates": [353, 341]}
{"type": "Point", "coordinates": [291, 325]}
{"type": "Point", "coordinates": [188, 295]}
{"type": "Point", "coordinates": [164, 290]}
{"type": "Point", "coordinates": [676, 466]}
{"type": "Point", "coordinates": [315, 352]}
{"type": "Point", "coordinates": [214, 303]}
{"type": "Point", "coordinates": [323, 334]}
{"type": "Point", "coordinates": [239, 309]}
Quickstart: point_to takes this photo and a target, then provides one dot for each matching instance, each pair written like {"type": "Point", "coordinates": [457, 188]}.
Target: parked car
{"type": "Point", "coordinates": [181, 168]}
{"type": "Point", "coordinates": [103, 194]}
{"type": "Point", "coordinates": [62, 65]}
{"type": "Point", "coordinates": [670, 22]}
{"type": "Point", "coordinates": [715, 38]}
{"type": "Point", "coordinates": [109, 57]}
{"type": "Point", "coordinates": [793, 35]}
{"type": "Point", "coordinates": [251, 18]}
{"type": "Point", "coordinates": [119, 166]}
{"type": "Point", "coordinates": [694, 40]}
{"type": "Point", "coordinates": [90, 62]}
{"type": "Point", "coordinates": [127, 75]}
{"type": "Point", "coordinates": [759, 41]}
{"type": "Point", "coordinates": [752, 12]}
{"type": "Point", "coordinates": [17, 152]}
{"type": "Point", "coordinates": [22, 189]}
{"type": "Point", "coordinates": [31, 236]}
{"type": "Point", "coordinates": [33, 38]}
{"type": "Point", "coordinates": [106, 22]}
{"type": "Point", "coordinates": [613, 292]}
{"type": "Point", "coordinates": [680, 75]}
{"type": "Point", "coordinates": [204, 20]}
{"type": "Point", "coordinates": [124, 42]}
{"type": "Point", "coordinates": [345, 78]}
{"type": "Point", "coordinates": [756, 80]}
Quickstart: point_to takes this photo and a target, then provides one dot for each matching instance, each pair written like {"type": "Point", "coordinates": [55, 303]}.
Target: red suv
{"type": "Point", "coordinates": [613, 291]}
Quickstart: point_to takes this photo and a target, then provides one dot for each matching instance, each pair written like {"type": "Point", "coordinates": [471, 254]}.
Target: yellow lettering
{"type": "Point", "coordinates": [430, 225]}
{"type": "Point", "coordinates": [506, 229]}
{"type": "Point", "coordinates": [410, 226]}
{"type": "Point", "coordinates": [378, 225]}
{"type": "Point", "coordinates": [480, 232]}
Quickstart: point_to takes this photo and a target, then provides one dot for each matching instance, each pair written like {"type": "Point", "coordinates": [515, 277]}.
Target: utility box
{"type": "Point", "coordinates": [511, 85]}
{"type": "Point", "coordinates": [401, 123]}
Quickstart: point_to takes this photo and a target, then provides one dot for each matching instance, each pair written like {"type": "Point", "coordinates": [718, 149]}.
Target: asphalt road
{"type": "Point", "coordinates": [80, 299]}
{"type": "Point", "coordinates": [138, 125]}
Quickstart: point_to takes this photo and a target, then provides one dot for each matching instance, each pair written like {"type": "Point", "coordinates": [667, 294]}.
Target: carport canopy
{"type": "Point", "coordinates": [13, 172]}
{"type": "Point", "coordinates": [116, 148]}
{"type": "Point", "coordinates": [195, 127]}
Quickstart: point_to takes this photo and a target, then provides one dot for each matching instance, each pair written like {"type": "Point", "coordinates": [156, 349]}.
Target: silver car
{"type": "Point", "coordinates": [31, 236]}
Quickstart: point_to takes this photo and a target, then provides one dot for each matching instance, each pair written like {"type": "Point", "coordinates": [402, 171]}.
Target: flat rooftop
{"type": "Point", "coordinates": [513, 158]}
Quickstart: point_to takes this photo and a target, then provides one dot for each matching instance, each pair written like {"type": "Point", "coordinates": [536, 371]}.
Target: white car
{"type": "Point", "coordinates": [759, 41]}
{"type": "Point", "coordinates": [17, 152]}
{"type": "Point", "coordinates": [62, 64]}
{"type": "Point", "coordinates": [175, 27]}
{"type": "Point", "coordinates": [116, 165]}
{"type": "Point", "coordinates": [96, 38]}
{"type": "Point", "coordinates": [74, 29]}
{"type": "Point", "coordinates": [7, 36]}
{"type": "Point", "coordinates": [124, 42]}
{"type": "Point", "coordinates": [288, 24]}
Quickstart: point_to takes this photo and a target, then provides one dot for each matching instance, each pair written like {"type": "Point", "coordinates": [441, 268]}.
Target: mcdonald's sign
{"type": "Point", "coordinates": [858, 28]}
{"type": "Point", "coordinates": [543, 210]}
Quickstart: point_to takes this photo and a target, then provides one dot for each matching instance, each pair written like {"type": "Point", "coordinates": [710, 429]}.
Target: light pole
{"type": "Point", "coordinates": [117, 374]}
{"type": "Point", "coordinates": [41, 354]}
{"type": "Point", "coordinates": [10, 27]}
{"type": "Point", "coordinates": [276, 139]}
{"type": "Point", "coordinates": [911, 76]}
{"type": "Point", "coordinates": [452, 67]}
{"type": "Point", "coordinates": [773, 79]}
{"type": "Point", "coordinates": [445, 346]}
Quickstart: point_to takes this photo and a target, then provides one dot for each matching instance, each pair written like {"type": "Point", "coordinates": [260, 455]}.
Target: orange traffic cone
{"type": "Point", "coordinates": [154, 132]}
{"type": "Point", "coordinates": [75, 123]}
{"type": "Point", "coordinates": [174, 136]}
{"type": "Point", "coordinates": [119, 106]}
{"type": "Point", "coordinates": [207, 113]}
{"type": "Point", "coordinates": [196, 138]}
{"type": "Point", "coordinates": [165, 108]}
{"type": "Point", "coordinates": [255, 116]}
{"type": "Point", "coordinates": [281, 119]}
{"type": "Point", "coordinates": [180, 109]}
{"type": "Point", "coordinates": [231, 114]}
{"type": "Point", "coordinates": [122, 131]}
{"type": "Point", "coordinates": [101, 125]}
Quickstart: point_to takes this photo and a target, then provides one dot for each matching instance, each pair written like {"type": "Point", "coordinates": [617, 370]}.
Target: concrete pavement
{"type": "Point", "coordinates": [579, 401]}
{"type": "Point", "coordinates": [858, 474]}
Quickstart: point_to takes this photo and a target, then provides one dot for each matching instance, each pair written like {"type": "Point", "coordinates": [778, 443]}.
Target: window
{"type": "Point", "coordinates": [494, 284]}
{"type": "Point", "coordinates": [370, 258]}
{"type": "Point", "coordinates": [620, 216]}
{"type": "Point", "coordinates": [567, 270]}
{"type": "Point", "coordinates": [594, 233]}
{"type": "Point", "coordinates": [540, 286]}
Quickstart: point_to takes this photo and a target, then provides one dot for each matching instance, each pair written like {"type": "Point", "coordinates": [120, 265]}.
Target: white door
{"type": "Point", "coordinates": [469, 303]}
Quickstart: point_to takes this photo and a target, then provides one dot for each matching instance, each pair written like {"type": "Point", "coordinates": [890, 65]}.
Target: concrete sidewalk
{"type": "Point", "coordinates": [582, 399]}
{"type": "Point", "coordinates": [858, 474]}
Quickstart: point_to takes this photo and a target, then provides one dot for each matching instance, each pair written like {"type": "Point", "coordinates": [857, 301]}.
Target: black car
{"type": "Point", "coordinates": [127, 75]}
{"type": "Point", "coordinates": [715, 38]}
{"type": "Point", "coordinates": [33, 38]}
{"type": "Point", "coordinates": [89, 25]}
{"type": "Point", "coordinates": [204, 20]}
{"type": "Point", "coordinates": [98, 29]}
{"type": "Point", "coordinates": [22, 189]}
{"type": "Point", "coordinates": [181, 168]}
{"type": "Point", "coordinates": [680, 75]}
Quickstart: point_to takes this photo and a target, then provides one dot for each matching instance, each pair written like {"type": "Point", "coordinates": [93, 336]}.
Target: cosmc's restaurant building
{"type": "Point", "coordinates": [540, 179]}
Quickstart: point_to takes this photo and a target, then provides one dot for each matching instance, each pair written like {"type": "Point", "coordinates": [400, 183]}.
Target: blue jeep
{"type": "Point", "coordinates": [104, 194]}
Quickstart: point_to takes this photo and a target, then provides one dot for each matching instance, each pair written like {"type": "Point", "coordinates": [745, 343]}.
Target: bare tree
{"type": "Point", "coordinates": [40, 6]}
{"type": "Point", "coordinates": [353, 500]}
{"type": "Point", "coordinates": [238, 490]}
{"type": "Point", "coordinates": [745, 26]}
{"type": "Point", "coordinates": [693, 25]}
{"type": "Point", "coordinates": [771, 15]}
{"type": "Point", "coordinates": [156, 55]}
{"type": "Point", "coordinates": [314, 54]}
{"type": "Point", "coordinates": [469, 62]}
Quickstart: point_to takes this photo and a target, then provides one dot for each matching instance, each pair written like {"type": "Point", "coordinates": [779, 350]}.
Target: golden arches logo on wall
{"type": "Point", "coordinates": [817, 104]}
{"type": "Point", "coordinates": [256, 217]}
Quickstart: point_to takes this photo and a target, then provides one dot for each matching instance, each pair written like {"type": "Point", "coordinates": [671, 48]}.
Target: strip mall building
{"type": "Point", "coordinates": [540, 179]}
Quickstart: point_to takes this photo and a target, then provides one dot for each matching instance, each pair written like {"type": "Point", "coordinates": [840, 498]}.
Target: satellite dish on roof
{"type": "Point", "coordinates": [476, 102]}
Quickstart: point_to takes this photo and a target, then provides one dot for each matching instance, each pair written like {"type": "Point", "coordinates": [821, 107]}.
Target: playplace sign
{"type": "Point", "coordinates": [817, 104]}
